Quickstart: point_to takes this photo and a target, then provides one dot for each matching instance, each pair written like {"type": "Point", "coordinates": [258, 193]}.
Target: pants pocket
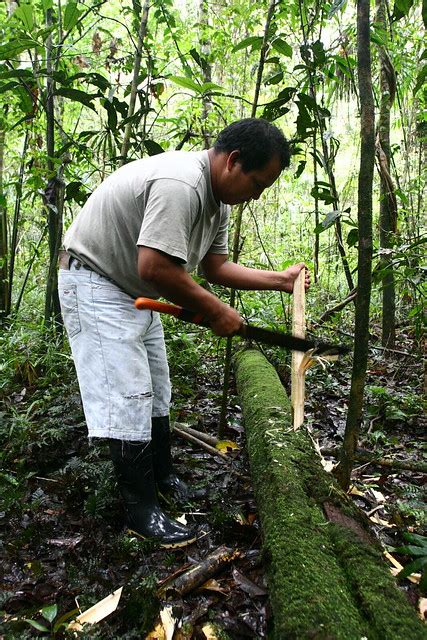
{"type": "Point", "coordinates": [70, 309]}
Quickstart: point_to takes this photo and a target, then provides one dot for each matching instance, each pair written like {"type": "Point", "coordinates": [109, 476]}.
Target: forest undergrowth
{"type": "Point", "coordinates": [63, 542]}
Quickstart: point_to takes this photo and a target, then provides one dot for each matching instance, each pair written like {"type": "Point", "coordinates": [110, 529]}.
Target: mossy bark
{"type": "Point", "coordinates": [327, 578]}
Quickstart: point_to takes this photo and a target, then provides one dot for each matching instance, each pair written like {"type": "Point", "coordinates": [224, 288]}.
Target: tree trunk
{"type": "Point", "coordinates": [205, 49]}
{"type": "Point", "coordinates": [388, 204]}
{"type": "Point", "coordinates": [4, 284]}
{"type": "Point", "coordinates": [136, 70]}
{"type": "Point", "coordinates": [326, 574]}
{"type": "Point", "coordinates": [52, 201]}
{"type": "Point", "coordinates": [367, 159]}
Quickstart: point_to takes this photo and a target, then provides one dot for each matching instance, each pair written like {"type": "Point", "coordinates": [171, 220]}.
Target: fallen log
{"type": "Point", "coordinates": [326, 574]}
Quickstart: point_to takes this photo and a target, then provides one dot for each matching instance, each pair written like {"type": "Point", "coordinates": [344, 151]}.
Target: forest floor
{"type": "Point", "coordinates": [63, 542]}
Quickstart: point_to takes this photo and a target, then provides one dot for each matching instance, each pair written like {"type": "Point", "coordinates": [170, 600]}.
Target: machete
{"type": "Point", "coordinates": [247, 331]}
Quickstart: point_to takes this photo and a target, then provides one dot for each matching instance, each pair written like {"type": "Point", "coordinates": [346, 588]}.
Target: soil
{"type": "Point", "coordinates": [62, 525]}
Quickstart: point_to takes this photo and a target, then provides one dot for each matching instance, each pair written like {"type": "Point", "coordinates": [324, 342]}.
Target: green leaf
{"type": "Point", "coordinates": [71, 15]}
{"type": "Point", "coordinates": [401, 8]}
{"type": "Point", "coordinates": [420, 79]}
{"type": "Point", "coordinates": [17, 73]}
{"type": "Point", "coordinates": [412, 567]}
{"type": "Point", "coordinates": [50, 612]}
{"type": "Point", "coordinates": [416, 539]}
{"type": "Point", "coordinates": [412, 550]}
{"type": "Point", "coordinates": [77, 96]}
{"type": "Point", "coordinates": [300, 169]}
{"type": "Point", "coordinates": [37, 625]}
{"type": "Point", "coordinates": [15, 47]}
{"type": "Point", "coordinates": [153, 148]}
{"type": "Point", "coordinates": [282, 47]}
{"type": "Point", "coordinates": [328, 221]}
{"type": "Point", "coordinates": [353, 237]}
{"type": "Point", "coordinates": [187, 83]}
{"type": "Point", "coordinates": [275, 78]}
{"type": "Point", "coordinates": [254, 41]}
{"type": "Point", "coordinates": [25, 14]}
{"type": "Point", "coordinates": [210, 86]}
{"type": "Point", "coordinates": [111, 114]}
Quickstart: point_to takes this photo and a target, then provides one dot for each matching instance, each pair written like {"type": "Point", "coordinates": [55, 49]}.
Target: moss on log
{"type": "Point", "coordinates": [327, 577]}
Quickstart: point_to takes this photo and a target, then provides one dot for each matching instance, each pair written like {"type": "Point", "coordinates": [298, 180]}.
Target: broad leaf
{"type": "Point", "coordinates": [111, 114]}
{"type": "Point", "coordinates": [50, 612]}
{"type": "Point", "coordinates": [421, 78]}
{"type": "Point", "coordinates": [282, 47]}
{"type": "Point", "coordinates": [15, 47]}
{"type": "Point", "coordinates": [187, 83]}
{"type": "Point", "coordinates": [153, 148]}
{"type": "Point", "coordinates": [71, 15]}
{"type": "Point", "coordinates": [37, 625]}
{"type": "Point", "coordinates": [77, 96]}
{"type": "Point", "coordinates": [25, 14]}
{"type": "Point", "coordinates": [253, 41]}
{"type": "Point", "coordinates": [328, 221]}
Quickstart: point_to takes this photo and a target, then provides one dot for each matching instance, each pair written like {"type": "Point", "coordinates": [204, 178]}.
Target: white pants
{"type": "Point", "coordinates": [119, 354]}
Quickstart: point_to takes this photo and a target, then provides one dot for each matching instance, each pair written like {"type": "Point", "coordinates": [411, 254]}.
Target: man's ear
{"type": "Point", "coordinates": [232, 159]}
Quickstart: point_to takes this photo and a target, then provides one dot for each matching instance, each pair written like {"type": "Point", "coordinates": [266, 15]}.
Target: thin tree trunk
{"type": "Point", "coordinates": [136, 70]}
{"type": "Point", "coordinates": [52, 201]}
{"type": "Point", "coordinates": [388, 204]}
{"type": "Point", "coordinates": [4, 284]}
{"type": "Point", "coordinates": [205, 46]}
{"type": "Point", "coordinates": [316, 210]}
{"type": "Point", "coordinates": [238, 223]}
{"type": "Point", "coordinates": [367, 159]}
{"type": "Point", "coordinates": [15, 224]}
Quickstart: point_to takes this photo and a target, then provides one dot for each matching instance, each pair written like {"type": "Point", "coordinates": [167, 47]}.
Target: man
{"type": "Point", "coordinates": [140, 234]}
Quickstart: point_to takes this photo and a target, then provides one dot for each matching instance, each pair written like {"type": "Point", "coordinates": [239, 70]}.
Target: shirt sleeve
{"type": "Point", "coordinates": [171, 208]}
{"type": "Point", "coordinates": [220, 242]}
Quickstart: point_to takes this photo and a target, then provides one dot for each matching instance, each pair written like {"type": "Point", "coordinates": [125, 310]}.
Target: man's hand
{"type": "Point", "coordinates": [226, 322]}
{"type": "Point", "coordinates": [290, 275]}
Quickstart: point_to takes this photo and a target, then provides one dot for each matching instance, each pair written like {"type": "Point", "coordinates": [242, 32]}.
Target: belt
{"type": "Point", "coordinates": [65, 260]}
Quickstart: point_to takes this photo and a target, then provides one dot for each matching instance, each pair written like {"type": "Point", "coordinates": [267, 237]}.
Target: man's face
{"type": "Point", "coordinates": [238, 186]}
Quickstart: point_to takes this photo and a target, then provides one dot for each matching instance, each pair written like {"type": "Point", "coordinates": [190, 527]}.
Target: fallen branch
{"type": "Point", "coordinates": [199, 443]}
{"type": "Point", "coordinates": [330, 312]}
{"type": "Point", "coordinates": [368, 456]}
{"type": "Point", "coordinates": [199, 573]}
{"type": "Point", "coordinates": [198, 434]}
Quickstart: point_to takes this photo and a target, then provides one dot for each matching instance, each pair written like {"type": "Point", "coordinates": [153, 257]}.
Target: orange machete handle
{"type": "Point", "coordinates": [170, 309]}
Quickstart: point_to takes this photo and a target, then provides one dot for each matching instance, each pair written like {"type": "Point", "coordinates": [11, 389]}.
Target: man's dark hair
{"type": "Point", "coordinates": [258, 142]}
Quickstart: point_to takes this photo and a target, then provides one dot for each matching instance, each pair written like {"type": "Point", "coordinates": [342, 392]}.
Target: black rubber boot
{"type": "Point", "coordinates": [168, 483]}
{"type": "Point", "coordinates": [133, 465]}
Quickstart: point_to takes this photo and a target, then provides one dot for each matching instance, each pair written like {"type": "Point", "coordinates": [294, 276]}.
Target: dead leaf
{"type": "Point", "coordinates": [165, 629]}
{"type": "Point", "coordinates": [214, 585]}
{"type": "Point", "coordinates": [209, 632]}
{"type": "Point", "coordinates": [226, 445]}
{"type": "Point", "coordinates": [98, 612]}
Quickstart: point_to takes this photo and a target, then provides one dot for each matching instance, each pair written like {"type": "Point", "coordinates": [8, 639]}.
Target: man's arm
{"type": "Point", "coordinates": [218, 270]}
{"type": "Point", "coordinates": [173, 283]}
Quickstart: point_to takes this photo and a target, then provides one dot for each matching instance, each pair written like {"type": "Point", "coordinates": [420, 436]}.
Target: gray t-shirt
{"type": "Point", "coordinates": [164, 202]}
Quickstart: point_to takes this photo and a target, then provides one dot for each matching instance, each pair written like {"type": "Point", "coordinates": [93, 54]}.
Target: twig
{"type": "Point", "coordinates": [197, 434]}
{"type": "Point", "coordinates": [200, 443]}
{"type": "Point", "coordinates": [370, 458]}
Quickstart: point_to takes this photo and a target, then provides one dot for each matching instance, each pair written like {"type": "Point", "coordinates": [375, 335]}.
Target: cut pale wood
{"type": "Point", "coordinates": [98, 612]}
{"type": "Point", "coordinates": [298, 373]}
